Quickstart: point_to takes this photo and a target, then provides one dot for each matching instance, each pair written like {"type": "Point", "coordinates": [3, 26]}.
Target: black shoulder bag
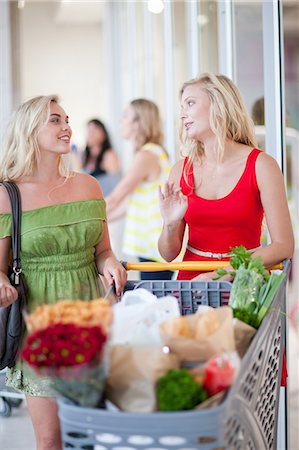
{"type": "Point", "coordinates": [12, 325]}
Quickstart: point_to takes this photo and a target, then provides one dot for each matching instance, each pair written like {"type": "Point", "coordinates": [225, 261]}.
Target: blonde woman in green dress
{"type": "Point", "coordinates": [65, 241]}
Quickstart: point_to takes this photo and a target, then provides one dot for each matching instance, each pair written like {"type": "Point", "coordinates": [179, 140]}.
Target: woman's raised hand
{"type": "Point", "coordinates": [173, 203]}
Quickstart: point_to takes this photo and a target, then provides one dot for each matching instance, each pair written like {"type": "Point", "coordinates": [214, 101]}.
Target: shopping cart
{"type": "Point", "coordinates": [9, 398]}
{"type": "Point", "coordinates": [246, 419]}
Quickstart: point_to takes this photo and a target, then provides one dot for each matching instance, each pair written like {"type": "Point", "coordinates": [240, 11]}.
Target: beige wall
{"type": "Point", "coordinates": [65, 59]}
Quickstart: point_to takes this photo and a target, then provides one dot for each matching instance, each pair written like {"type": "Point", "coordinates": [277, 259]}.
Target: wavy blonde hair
{"type": "Point", "coordinates": [229, 118]}
{"type": "Point", "coordinates": [20, 152]}
{"type": "Point", "coordinates": [149, 122]}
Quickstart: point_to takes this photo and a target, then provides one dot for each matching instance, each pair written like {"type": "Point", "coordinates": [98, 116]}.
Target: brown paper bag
{"type": "Point", "coordinates": [213, 401]}
{"type": "Point", "coordinates": [243, 336]}
{"type": "Point", "coordinates": [189, 349]}
{"type": "Point", "coordinates": [134, 371]}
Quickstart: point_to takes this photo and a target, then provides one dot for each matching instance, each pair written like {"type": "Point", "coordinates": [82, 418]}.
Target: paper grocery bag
{"type": "Point", "coordinates": [192, 350]}
{"type": "Point", "coordinates": [213, 401]}
{"type": "Point", "coordinates": [243, 336]}
{"type": "Point", "coordinates": [134, 371]}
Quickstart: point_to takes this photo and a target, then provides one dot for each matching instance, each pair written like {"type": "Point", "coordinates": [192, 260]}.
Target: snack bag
{"type": "Point", "coordinates": [198, 337]}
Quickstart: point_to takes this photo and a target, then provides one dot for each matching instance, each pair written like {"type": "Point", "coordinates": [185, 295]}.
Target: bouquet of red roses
{"type": "Point", "coordinates": [72, 356]}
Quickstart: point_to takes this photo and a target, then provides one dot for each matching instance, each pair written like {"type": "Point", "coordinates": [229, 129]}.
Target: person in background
{"type": "Point", "coordinates": [223, 189]}
{"type": "Point", "coordinates": [141, 125]}
{"type": "Point", "coordinates": [65, 240]}
{"type": "Point", "coordinates": [258, 112]}
{"type": "Point", "coordinates": [99, 158]}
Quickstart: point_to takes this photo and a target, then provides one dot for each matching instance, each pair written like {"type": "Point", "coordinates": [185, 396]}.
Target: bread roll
{"type": "Point", "coordinates": [206, 325]}
{"type": "Point", "coordinates": [177, 327]}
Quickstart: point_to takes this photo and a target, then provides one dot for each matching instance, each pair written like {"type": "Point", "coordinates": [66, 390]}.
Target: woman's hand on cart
{"type": "Point", "coordinates": [114, 272]}
{"type": "Point", "coordinates": [212, 276]}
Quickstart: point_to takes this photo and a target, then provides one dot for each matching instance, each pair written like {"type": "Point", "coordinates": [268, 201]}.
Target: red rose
{"type": "Point", "coordinates": [63, 345]}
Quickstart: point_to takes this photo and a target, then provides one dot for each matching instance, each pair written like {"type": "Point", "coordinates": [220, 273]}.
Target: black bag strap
{"type": "Point", "coordinates": [16, 213]}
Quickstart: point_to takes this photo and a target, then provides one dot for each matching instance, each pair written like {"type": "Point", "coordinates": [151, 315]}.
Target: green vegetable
{"type": "Point", "coordinates": [221, 272]}
{"type": "Point", "coordinates": [246, 316]}
{"type": "Point", "coordinates": [267, 295]}
{"type": "Point", "coordinates": [253, 289]}
{"type": "Point", "coordinates": [255, 312]}
{"type": "Point", "coordinates": [177, 391]}
{"type": "Point", "coordinates": [245, 290]}
{"type": "Point", "coordinates": [243, 258]}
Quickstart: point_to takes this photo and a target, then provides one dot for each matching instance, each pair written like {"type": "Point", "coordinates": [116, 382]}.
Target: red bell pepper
{"type": "Point", "coordinates": [218, 375]}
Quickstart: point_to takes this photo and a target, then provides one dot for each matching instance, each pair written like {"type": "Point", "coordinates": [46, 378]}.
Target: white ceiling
{"type": "Point", "coordinates": [92, 11]}
{"type": "Point", "coordinates": [74, 11]}
{"type": "Point", "coordinates": [79, 12]}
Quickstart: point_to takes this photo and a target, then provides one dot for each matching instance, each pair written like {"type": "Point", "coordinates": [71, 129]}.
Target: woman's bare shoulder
{"type": "Point", "coordinates": [178, 166]}
{"type": "Point", "coordinates": [86, 185]}
{"type": "Point", "coordinates": [176, 171]}
{"type": "Point", "coordinates": [266, 162]}
{"type": "Point", "coordinates": [268, 172]}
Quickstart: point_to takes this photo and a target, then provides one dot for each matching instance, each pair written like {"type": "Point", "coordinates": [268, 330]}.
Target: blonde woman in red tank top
{"type": "Point", "coordinates": [225, 187]}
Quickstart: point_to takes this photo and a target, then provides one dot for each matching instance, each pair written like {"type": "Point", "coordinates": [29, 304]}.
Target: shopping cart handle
{"type": "Point", "coordinates": [202, 266]}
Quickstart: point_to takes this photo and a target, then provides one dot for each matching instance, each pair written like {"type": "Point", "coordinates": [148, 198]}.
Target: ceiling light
{"type": "Point", "coordinates": [155, 6]}
{"type": "Point", "coordinates": [202, 20]}
{"type": "Point", "coordinates": [21, 4]}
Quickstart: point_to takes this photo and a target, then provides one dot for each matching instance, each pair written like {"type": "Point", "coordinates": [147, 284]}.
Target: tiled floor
{"type": "Point", "coordinates": [16, 432]}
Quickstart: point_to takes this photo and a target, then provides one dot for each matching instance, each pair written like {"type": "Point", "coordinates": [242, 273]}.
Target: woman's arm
{"type": "Point", "coordinates": [273, 197]}
{"type": "Point", "coordinates": [8, 294]}
{"type": "Point", "coordinates": [108, 265]}
{"type": "Point", "coordinates": [173, 205]}
{"type": "Point", "coordinates": [111, 161]}
{"type": "Point", "coordinates": [118, 212]}
{"type": "Point", "coordinates": [106, 262]}
{"type": "Point", "coordinates": [144, 163]}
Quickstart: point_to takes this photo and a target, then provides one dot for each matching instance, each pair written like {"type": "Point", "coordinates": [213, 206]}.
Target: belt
{"type": "Point", "coordinates": [213, 255]}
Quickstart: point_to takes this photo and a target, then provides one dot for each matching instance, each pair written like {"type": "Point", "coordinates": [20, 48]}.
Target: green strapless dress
{"type": "Point", "coordinates": [58, 261]}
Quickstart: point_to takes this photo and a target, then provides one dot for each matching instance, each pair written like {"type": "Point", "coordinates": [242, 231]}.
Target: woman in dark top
{"type": "Point", "coordinates": [99, 157]}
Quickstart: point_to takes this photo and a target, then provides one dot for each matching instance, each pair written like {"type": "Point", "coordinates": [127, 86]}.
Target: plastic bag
{"type": "Point", "coordinates": [138, 316]}
{"type": "Point", "coordinates": [245, 290]}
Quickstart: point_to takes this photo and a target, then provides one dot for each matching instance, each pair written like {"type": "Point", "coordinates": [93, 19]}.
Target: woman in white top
{"type": "Point", "coordinates": [141, 125]}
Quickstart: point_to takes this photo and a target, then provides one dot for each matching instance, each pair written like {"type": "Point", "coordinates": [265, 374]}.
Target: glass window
{"type": "Point", "coordinates": [249, 61]}
{"type": "Point", "coordinates": [208, 35]}
{"type": "Point", "coordinates": [249, 68]}
{"type": "Point", "coordinates": [158, 60]}
{"type": "Point", "coordinates": [291, 57]}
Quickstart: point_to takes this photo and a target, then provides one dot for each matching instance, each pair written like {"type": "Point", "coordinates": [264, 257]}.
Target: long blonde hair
{"type": "Point", "coordinates": [229, 118]}
{"type": "Point", "coordinates": [20, 152]}
{"type": "Point", "coordinates": [149, 122]}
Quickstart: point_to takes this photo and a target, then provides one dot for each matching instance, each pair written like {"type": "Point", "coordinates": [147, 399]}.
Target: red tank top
{"type": "Point", "coordinates": [217, 225]}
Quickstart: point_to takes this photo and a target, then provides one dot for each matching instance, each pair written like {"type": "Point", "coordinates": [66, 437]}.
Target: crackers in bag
{"type": "Point", "coordinates": [198, 337]}
{"type": "Point", "coordinates": [197, 327]}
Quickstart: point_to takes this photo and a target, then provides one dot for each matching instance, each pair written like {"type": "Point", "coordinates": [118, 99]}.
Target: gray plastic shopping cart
{"type": "Point", "coordinates": [9, 398]}
{"type": "Point", "coordinates": [246, 419]}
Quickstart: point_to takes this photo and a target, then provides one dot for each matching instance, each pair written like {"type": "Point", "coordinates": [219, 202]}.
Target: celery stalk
{"type": "Point", "coordinates": [268, 295]}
